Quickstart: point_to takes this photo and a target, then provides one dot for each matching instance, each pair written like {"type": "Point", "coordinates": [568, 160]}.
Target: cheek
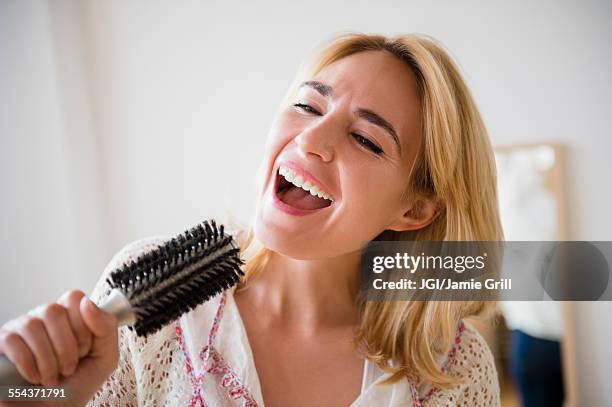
{"type": "Point", "coordinates": [284, 128]}
{"type": "Point", "coordinates": [371, 192]}
{"type": "Point", "coordinates": [281, 133]}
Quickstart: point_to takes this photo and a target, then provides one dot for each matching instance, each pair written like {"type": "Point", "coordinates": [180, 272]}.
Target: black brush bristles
{"type": "Point", "coordinates": [179, 275]}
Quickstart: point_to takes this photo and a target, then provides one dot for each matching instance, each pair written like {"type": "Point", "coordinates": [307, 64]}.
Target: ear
{"type": "Point", "coordinates": [421, 213]}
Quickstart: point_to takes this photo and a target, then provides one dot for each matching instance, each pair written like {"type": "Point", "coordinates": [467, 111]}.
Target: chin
{"type": "Point", "coordinates": [287, 242]}
{"type": "Point", "coordinates": [279, 240]}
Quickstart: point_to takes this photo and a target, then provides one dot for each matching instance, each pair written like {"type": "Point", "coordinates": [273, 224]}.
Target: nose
{"type": "Point", "coordinates": [319, 139]}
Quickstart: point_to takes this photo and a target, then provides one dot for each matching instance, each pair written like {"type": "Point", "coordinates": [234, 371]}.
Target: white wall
{"type": "Point", "coordinates": [124, 118]}
{"type": "Point", "coordinates": [50, 215]}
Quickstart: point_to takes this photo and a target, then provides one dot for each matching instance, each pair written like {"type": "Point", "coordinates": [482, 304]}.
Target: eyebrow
{"type": "Point", "coordinates": [366, 114]}
{"type": "Point", "coordinates": [377, 120]}
{"type": "Point", "coordinates": [320, 87]}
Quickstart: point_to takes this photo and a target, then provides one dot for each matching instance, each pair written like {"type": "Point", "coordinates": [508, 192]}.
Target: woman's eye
{"type": "Point", "coordinates": [307, 108]}
{"type": "Point", "coordinates": [367, 143]}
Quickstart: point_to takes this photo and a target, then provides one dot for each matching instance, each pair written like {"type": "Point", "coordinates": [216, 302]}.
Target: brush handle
{"type": "Point", "coordinates": [115, 304]}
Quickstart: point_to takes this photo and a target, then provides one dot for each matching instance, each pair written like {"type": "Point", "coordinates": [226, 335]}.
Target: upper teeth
{"type": "Point", "coordinates": [299, 181]}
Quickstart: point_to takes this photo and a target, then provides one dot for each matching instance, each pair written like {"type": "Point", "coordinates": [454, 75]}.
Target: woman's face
{"type": "Point", "coordinates": [352, 131]}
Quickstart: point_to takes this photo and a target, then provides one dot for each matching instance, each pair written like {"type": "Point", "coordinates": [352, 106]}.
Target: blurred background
{"type": "Point", "coordinates": [125, 119]}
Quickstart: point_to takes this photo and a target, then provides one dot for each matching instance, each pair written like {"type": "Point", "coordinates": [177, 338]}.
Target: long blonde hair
{"type": "Point", "coordinates": [456, 166]}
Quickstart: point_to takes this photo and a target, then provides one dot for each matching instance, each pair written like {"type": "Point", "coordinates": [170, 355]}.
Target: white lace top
{"type": "Point", "coordinates": [204, 359]}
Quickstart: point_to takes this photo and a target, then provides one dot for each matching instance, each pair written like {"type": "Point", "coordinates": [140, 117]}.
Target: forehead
{"type": "Point", "coordinates": [379, 81]}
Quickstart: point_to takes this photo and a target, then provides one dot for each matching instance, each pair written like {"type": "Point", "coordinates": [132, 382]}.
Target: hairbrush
{"type": "Point", "coordinates": [163, 284]}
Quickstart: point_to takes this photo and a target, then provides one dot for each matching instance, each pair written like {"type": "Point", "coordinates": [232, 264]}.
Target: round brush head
{"type": "Point", "coordinates": [186, 271]}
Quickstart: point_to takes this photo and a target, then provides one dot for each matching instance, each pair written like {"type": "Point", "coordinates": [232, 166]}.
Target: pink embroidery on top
{"type": "Point", "coordinates": [196, 399]}
{"type": "Point", "coordinates": [214, 363]}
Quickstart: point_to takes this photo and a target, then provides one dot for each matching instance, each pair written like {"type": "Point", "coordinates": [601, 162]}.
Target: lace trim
{"type": "Point", "coordinates": [215, 364]}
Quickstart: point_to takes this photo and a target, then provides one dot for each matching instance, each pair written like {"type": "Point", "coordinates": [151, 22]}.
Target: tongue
{"type": "Point", "coordinates": [301, 199]}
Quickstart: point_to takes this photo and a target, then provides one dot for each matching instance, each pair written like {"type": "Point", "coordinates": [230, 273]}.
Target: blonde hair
{"type": "Point", "coordinates": [456, 166]}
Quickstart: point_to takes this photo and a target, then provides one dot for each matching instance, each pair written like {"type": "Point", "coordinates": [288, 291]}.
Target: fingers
{"type": "Point", "coordinates": [61, 335]}
{"type": "Point", "coordinates": [34, 334]}
{"type": "Point", "coordinates": [48, 341]}
{"type": "Point", "coordinates": [19, 353]}
{"type": "Point", "coordinates": [71, 301]}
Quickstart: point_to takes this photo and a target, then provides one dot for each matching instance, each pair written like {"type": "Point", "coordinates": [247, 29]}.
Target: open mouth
{"type": "Point", "coordinates": [304, 197]}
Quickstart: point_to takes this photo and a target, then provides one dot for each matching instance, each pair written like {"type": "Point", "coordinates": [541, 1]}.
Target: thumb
{"type": "Point", "coordinates": [102, 357]}
{"type": "Point", "coordinates": [102, 325]}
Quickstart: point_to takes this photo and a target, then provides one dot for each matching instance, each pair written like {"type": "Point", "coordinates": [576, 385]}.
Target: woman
{"type": "Point", "coordinates": [378, 140]}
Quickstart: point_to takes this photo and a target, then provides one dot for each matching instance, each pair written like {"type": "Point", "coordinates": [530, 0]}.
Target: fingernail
{"type": "Point", "coordinates": [87, 301]}
{"type": "Point", "coordinates": [92, 304]}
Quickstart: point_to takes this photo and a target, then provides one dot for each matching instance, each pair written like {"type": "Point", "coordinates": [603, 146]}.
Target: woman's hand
{"type": "Point", "coordinates": [70, 343]}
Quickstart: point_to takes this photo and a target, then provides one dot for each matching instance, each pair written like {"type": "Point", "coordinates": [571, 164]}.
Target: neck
{"type": "Point", "coordinates": [307, 295]}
